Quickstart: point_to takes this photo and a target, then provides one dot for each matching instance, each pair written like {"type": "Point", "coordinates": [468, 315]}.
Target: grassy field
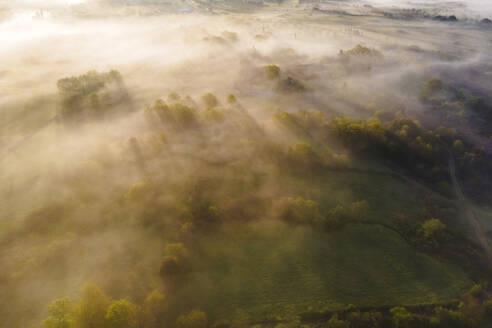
{"type": "Point", "coordinates": [270, 269]}
{"type": "Point", "coordinates": [387, 196]}
{"type": "Point", "coordinates": [484, 216]}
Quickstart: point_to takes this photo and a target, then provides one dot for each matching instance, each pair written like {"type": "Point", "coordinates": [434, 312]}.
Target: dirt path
{"type": "Point", "coordinates": [467, 209]}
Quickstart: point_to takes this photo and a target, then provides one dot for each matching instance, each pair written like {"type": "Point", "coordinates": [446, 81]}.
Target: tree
{"type": "Point", "coordinates": [433, 85]}
{"type": "Point", "coordinates": [458, 145]}
{"type": "Point", "coordinates": [302, 211]}
{"type": "Point", "coordinates": [302, 153]}
{"type": "Point", "coordinates": [488, 306]}
{"type": "Point", "coordinates": [360, 51]}
{"type": "Point", "coordinates": [450, 318]}
{"type": "Point", "coordinates": [402, 318]}
{"type": "Point", "coordinates": [61, 314]}
{"type": "Point", "coordinates": [272, 72]}
{"type": "Point", "coordinates": [231, 99]}
{"type": "Point", "coordinates": [432, 228]}
{"type": "Point", "coordinates": [291, 84]}
{"type": "Point", "coordinates": [194, 319]}
{"type": "Point", "coordinates": [170, 267]}
{"type": "Point", "coordinates": [334, 322]}
{"type": "Point", "coordinates": [358, 210]}
{"type": "Point", "coordinates": [154, 309]}
{"type": "Point", "coordinates": [213, 115]}
{"type": "Point", "coordinates": [122, 314]}
{"type": "Point", "coordinates": [210, 100]}
{"type": "Point", "coordinates": [373, 319]}
{"type": "Point", "coordinates": [92, 307]}
{"type": "Point", "coordinates": [173, 97]}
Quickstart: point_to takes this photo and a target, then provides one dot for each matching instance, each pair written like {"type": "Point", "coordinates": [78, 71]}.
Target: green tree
{"type": "Point", "coordinates": [450, 318]}
{"type": "Point", "coordinates": [488, 306]}
{"type": "Point", "coordinates": [433, 85]}
{"type": "Point", "coordinates": [272, 72]}
{"type": "Point", "coordinates": [122, 314]}
{"type": "Point", "coordinates": [93, 306]}
{"type": "Point", "coordinates": [194, 319]}
{"type": "Point", "coordinates": [176, 249]}
{"type": "Point", "coordinates": [303, 211]}
{"type": "Point", "coordinates": [432, 228]}
{"type": "Point", "coordinates": [154, 310]}
{"type": "Point", "coordinates": [334, 322]}
{"type": "Point", "coordinates": [61, 314]}
{"type": "Point", "coordinates": [458, 145]}
{"type": "Point", "coordinates": [173, 97]}
{"type": "Point", "coordinates": [210, 100]}
{"type": "Point", "coordinates": [231, 99]}
{"type": "Point", "coordinates": [302, 153]}
{"type": "Point", "coordinates": [171, 267]}
{"type": "Point", "coordinates": [402, 318]}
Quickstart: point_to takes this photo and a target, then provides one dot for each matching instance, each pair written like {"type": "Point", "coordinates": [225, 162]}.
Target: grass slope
{"type": "Point", "coordinates": [270, 269]}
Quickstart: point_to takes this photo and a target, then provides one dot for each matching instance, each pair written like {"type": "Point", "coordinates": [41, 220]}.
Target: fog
{"type": "Point", "coordinates": [83, 197]}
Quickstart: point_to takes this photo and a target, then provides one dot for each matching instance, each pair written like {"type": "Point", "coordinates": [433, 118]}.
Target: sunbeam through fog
{"type": "Point", "coordinates": [285, 163]}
